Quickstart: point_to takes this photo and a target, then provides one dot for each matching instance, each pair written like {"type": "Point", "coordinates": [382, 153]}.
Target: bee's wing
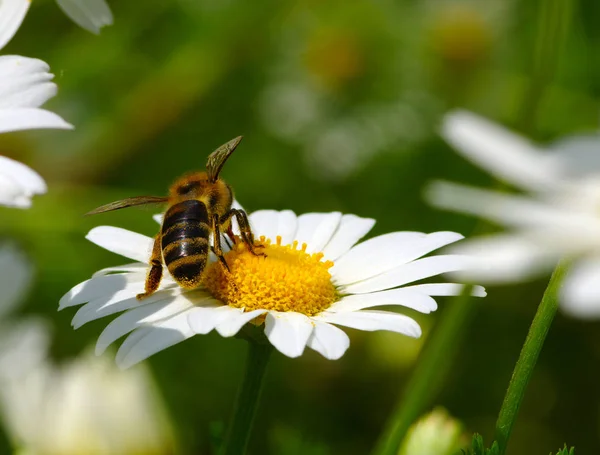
{"type": "Point", "coordinates": [129, 202]}
{"type": "Point", "coordinates": [217, 158]}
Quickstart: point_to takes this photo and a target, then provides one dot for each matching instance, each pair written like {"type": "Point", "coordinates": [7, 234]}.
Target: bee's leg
{"type": "Point", "coordinates": [156, 269]}
{"type": "Point", "coordinates": [245, 230]}
{"type": "Point", "coordinates": [217, 242]}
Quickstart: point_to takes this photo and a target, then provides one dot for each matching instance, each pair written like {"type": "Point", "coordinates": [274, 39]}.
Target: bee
{"type": "Point", "coordinates": [198, 206]}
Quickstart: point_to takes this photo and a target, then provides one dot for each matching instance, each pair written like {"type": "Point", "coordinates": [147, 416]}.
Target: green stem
{"type": "Point", "coordinates": [528, 358]}
{"type": "Point", "coordinates": [434, 363]}
{"type": "Point", "coordinates": [247, 399]}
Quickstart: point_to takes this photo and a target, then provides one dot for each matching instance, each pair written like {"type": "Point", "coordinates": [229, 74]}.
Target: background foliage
{"type": "Point", "coordinates": [339, 103]}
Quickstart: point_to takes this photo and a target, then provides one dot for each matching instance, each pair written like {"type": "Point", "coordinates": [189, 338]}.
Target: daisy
{"type": "Point", "coordinates": [91, 15]}
{"type": "Point", "coordinates": [312, 279]}
{"type": "Point", "coordinates": [25, 84]}
{"type": "Point", "coordinates": [85, 406]}
{"type": "Point", "coordinates": [554, 216]}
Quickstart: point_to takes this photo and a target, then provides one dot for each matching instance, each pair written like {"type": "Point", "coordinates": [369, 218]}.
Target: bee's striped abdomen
{"type": "Point", "coordinates": [185, 232]}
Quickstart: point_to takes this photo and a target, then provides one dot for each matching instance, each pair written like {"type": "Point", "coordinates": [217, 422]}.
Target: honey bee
{"type": "Point", "coordinates": [198, 205]}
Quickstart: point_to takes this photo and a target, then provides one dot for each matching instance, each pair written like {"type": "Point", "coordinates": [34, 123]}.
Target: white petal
{"type": "Point", "coordinates": [445, 289]}
{"type": "Point", "coordinates": [410, 299]}
{"type": "Point", "coordinates": [118, 302]}
{"type": "Point", "coordinates": [158, 217]}
{"type": "Point", "coordinates": [288, 332]}
{"type": "Point", "coordinates": [328, 340]}
{"type": "Point", "coordinates": [205, 318]}
{"type": "Point", "coordinates": [160, 336]}
{"type": "Point", "coordinates": [91, 15]}
{"type": "Point", "coordinates": [15, 277]}
{"type": "Point", "coordinates": [264, 222]}
{"type": "Point", "coordinates": [99, 286]}
{"type": "Point", "coordinates": [136, 267]}
{"type": "Point", "coordinates": [580, 292]}
{"type": "Point", "coordinates": [12, 13]}
{"type": "Point", "coordinates": [509, 157]}
{"type": "Point", "coordinates": [234, 323]}
{"type": "Point", "coordinates": [287, 226]}
{"type": "Point", "coordinates": [374, 320]}
{"type": "Point", "coordinates": [24, 82]}
{"type": "Point", "coordinates": [413, 271]}
{"type": "Point", "coordinates": [505, 209]}
{"type": "Point", "coordinates": [28, 118]}
{"type": "Point", "coordinates": [146, 315]}
{"type": "Point", "coordinates": [317, 229]}
{"type": "Point", "coordinates": [505, 258]}
{"type": "Point", "coordinates": [121, 241]}
{"type": "Point", "coordinates": [18, 183]}
{"type": "Point", "coordinates": [386, 252]}
{"type": "Point", "coordinates": [351, 229]}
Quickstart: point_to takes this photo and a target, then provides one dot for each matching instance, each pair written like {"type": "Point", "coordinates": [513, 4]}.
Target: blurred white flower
{"type": "Point", "coordinates": [22, 343]}
{"type": "Point", "coordinates": [436, 433]}
{"type": "Point", "coordinates": [89, 14]}
{"type": "Point", "coordinates": [312, 279]}
{"type": "Point", "coordinates": [87, 407]}
{"type": "Point", "coordinates": [559, 216]}
{"type": "Point", "coordinates": [25, 84]}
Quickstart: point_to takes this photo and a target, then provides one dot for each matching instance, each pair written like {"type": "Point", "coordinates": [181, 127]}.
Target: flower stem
{"type": "Point", "coordinates": [247, 399]}
{"type": "Point", "coordinates": [429, 373]}
{"type": "Point", "coordinates": [528, 358]}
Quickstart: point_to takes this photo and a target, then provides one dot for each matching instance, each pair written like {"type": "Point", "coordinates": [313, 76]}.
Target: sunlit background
{"type": "Point", "coordinates": [339, 104]}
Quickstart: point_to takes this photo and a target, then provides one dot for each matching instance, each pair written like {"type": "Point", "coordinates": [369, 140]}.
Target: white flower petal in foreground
{"type": "Point", "coordinates": [85, 407]}
{"type": "Point", "coordinates": [312, 280]}
{"type": "Point", "coordinates": [12, 13]}
{"type": "Point", "coordinates": [559, 216]}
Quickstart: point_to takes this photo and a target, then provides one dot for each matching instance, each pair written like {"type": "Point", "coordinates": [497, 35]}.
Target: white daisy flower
{"type": "Point", "coordinates": [25, 84]}
{"type": "Point", "coordinates": [86, 406]}
{"type": "Point", "coordinates": [556, 217]}
{"type": "Point", "coordinates": [312, 279]}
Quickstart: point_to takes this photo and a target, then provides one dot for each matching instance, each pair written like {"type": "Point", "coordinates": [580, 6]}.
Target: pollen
{"type": "Point", "coordinates": [279, 278]}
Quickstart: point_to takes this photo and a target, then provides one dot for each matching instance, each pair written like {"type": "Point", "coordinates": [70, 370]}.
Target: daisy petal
{"type": "Point", "coordinates": [136, 267]}
{"type": "Point", "coordinates": [264, 222]}
{"type": "Point", "coordinates": [316, 229]}
{"type": "Point", "coordinates": [12, 13]}
{"type": "Point", "coordinates": [413, 271]}
{"type": "Point", "coordinates": [158, 217]}
{"type": "Point", "coordinates": [116, 303]}
{"type": "Point", "coordinates": [501, 208]}
{"type": "Point", "coordinates": [373, 320]}
{"type": "Point", "coordinates": [24, 82]}
{"type": "Point", "coordinates": [504, 154]}
{"type": "Point", "coordinates": [18, 183]}
{"type": "Point", "coordinates": [580, 293]}
{"type": "Point", "coordinates": [410, 299]}
{"type": "Point", "coordinates": [286, 227]}
{"type": "Point", "coordinates": [288, 332]}
{"type": "Point", "coordinates": [445, 289]}
{"type": "Point", "coordinates": [205, 318]}
{"type": "Point", "coordinates": [233, 324]}
{"type": "Point", "coordinates": [121, 241]}
{"type": "Point", "coordinates": [91, 15]}
{"type": "Point", "coordinates": [328, 340]}
{"type": "Point", "coordinates": [161, 336]}
{"type": "Point", "coordinates": [351, 229]}
{"type": "Point", "coordinates": [96, 287]}
{"type": "Point", "coordinates": [386, 252]}
{"type": "Point", "coordinates": [145, 315]}
{"type": "Point", "coordinates": [15, 278]}
{"type": "Point", "coordinates": [504, 258]}
{"type": "Point", "coordinates": [27, 118]}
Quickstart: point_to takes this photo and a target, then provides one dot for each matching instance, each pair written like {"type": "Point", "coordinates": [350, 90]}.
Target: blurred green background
{"type": "Point", "coordinates": [339, 103]}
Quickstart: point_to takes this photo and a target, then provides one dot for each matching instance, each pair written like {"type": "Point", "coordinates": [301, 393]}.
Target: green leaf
{"type": "Point", "coordinates": [478, 447]}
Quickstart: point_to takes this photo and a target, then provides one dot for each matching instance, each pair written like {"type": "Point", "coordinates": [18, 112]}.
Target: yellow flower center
{"type": "Point", "coordinates": [285, 278]}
